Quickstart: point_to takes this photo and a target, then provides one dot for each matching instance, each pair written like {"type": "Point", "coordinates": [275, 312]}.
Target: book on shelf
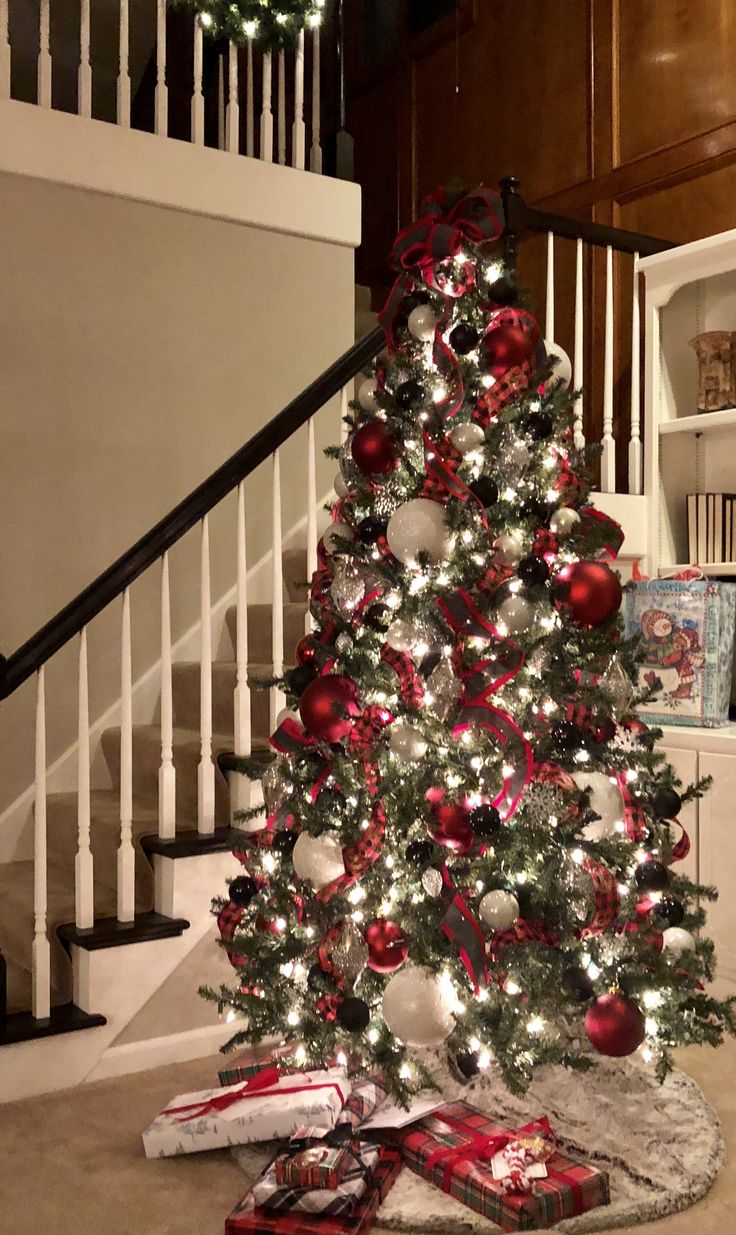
{"type": "Point", "coordinates": [711, 527]}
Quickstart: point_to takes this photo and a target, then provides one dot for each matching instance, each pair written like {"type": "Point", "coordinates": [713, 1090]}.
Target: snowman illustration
{"type": "Point", "coordinates": [671, 655]}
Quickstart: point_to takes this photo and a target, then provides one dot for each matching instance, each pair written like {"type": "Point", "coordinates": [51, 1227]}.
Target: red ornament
{"type": "Point", "coordinates": [306, 651]}
{"type": "Point", "coordinates": [450, 827]}
{"type": "Point", "coordinates": [374, 449]}
{"type": "Point", "coordinates": [504, 348]}
{"type": "Point", "coordinates": [590, 592]}
{"type": "Point", "coordinates": [387, 946]}
{"type": "Point", "coordinates": [614, 1025]}
{"type": "Point", "coordinates": [329, 706]}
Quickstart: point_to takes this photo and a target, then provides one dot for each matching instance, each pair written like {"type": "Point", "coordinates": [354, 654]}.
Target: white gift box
{"type": "Point", "coordinates": [252, 1111]}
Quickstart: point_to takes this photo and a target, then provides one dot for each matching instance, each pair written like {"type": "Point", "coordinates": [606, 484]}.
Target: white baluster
{"type": "Point", "coordinates": [549, 316]}
{"type": "Point", "coordinates": [40, 955]}
{"type": "Point", "coordinates": [233, 102]}
{"type": "Point", "coordinates": [84, 896]}
{"type": "Point", "coordinates": [4, 51]}
{"type": "Point", "coordinates": [266, 113]}
{"type": "Point", "coordinates": [167, 771]}
{"type": "Point", "coordinates": [162, 93]}
{"type": "Point", "coordinates": [578, 435]}
{"type": "Point", "coordinates": [608, 457]}
{"type": "Point", "coordinates": [206, 769]}
{"type": "Point", "coordinates": [311, 513]}
{"type": "Point", "coordinates": [315, 153]}
{"type": "Point", "coordinates": [635, 457]}
{"type": "Point", "coordinates": [241, 700]}
{"type": "Point", "coordinates": [197, 131]}
{"type": "Point", "coordinates": [124, 67]}
{"type": "Point", "coordinates": [277, 699]}
{"type": "Point", "coordinates": [220, 102]}
{"type": "Point", "coordinates": [344, 412]}
{"type": "Point", "coordinates": [126, 852]}
{"type": "Point", "coordinates": [43, 81]}
{"type": "Point", "coordinates": [298, 132]}
{"type": "Point", "coordinates": [250, 121]}
{"type": "Point", "coordinates": [84, 76]}
{"type": "Point", "coordinates": [281, 109]}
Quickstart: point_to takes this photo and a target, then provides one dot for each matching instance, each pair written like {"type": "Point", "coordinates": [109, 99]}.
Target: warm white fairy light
{"type": "Point", "coordinates": [652, 999]}
{"type": "Point", "coordinates": [287, 969]}
{"type": "Point", "coordinates": [632, 775]}
{"type": "Point", "coordinates": [511, 987]}
{"type": "Point", "coordinates": [357, 915]}
{"type": "Point", "coordinates": [405, 1072]}
{"type": "Point", "coordinates": [205, 19]}
{"type": "Point", "coordinates": [651, 1026]}
{"type": "Point", "coordinates": [535, 1025]}
{"type": "Point", "coordinates": [373, 1036]}
{"type": "Point", "coordinates": [250, 28]}
{"type": "Point", "coordinates": [582, 756]}
{"type": "Point", "coordinates": [230, 1017]}
{"type": "Point", "coordinates": [485, 1059]}
{"type": "Point", "coordinates": [342, 1059]}
{"type": "Point", "coordinates": [356, 894]}
{"type": "Point", "coordinates": [488, 380]}
{"type": "Point", "coordinates": [593, 971]}
{"type": "Point", "coordinates": [439, 393]}
{"type": "Point", "coordinates": [293, 1017]}
{"type": "Point", "coordinates": [578, 856]}
{"type": "Point", "coordinates": [269, 863]}
{"type": "Point", "coordinates": [300, 1054]}
{"type": "Point", "coordinates": [281, 924]}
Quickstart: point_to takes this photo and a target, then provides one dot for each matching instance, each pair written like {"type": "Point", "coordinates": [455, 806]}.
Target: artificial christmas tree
{"type": "Point", "coordinates": [487, 839]}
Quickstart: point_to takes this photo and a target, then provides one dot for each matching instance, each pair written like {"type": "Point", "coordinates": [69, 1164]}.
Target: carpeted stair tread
{"type": "Point", "coordinates": [294, 566]}
{"type": "Point", "coordinates": [259, 629]}
{"type": "Point", "coordinates": [104, 839]}
{"type": "Point", "coordinates": [186, 695]}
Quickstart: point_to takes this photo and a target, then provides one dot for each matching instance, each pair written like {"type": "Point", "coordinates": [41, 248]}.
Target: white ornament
{"type": "Point", "coordinates": [335, 532]}
{"type": "Point", "coordinates": [401, 635]}
{"type": "Point", "coordinates": [288, 714]}
{"type": "Point", "coordinates": [605, 799]}
{"type": "Point", "coordinates": [509, 548]}
{"type": "Point", "coordinates": [416, 1007]}
{"type": "Point", "coordinates": [407, 743]}
{"type": "Point", "coordinates": [466, 438]}
{"type": "Point", "coordinates": [564, 521]}
{"type": "Point", "coordinates": [677, 940]}
{"type": "Point", "coordinates": [422, 323]}
{"type": "Point", "coordinates": [419, 527]}
{"type": "Point", "coordinates": [367, 396]}
{"type": "Point", "coordinates": [561, 366]}
{"type": "Point", "coordinates": [339, 485]}
{"type": "Point", "coordinates": [516, 614]}
{"type": "Point", "coordinates": [318, 859]}
{"type": "Point", "coordinates": [498, 910]}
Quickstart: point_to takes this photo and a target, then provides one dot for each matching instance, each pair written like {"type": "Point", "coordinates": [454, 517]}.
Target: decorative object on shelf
{"type": "Point", "coordinates": [686, 632]}
{"type": "Point", "coordinates": [716, 353]}
{"type": "Point", "coordinates": [271, 24]}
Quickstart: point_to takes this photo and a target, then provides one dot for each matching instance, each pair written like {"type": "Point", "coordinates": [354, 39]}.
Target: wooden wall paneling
{"type": "Point", "coordinates": [696, 206]}
{"type": "Point", "coordinates": [373, 121]}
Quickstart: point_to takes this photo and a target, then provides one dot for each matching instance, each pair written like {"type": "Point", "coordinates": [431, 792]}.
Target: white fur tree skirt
{"type": "Point", "coordinates": [661, 1145]}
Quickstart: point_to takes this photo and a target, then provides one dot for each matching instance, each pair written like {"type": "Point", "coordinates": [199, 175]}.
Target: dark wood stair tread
{"type": "Point", "coordinates": [109, 933]}
{"type": "Point", "coordinates": [190, 844]}
{"type": "Point", "coordinates": [65, 1018]}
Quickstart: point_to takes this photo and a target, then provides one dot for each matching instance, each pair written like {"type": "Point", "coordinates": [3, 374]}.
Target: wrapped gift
{"type": "Point", "coordinates": [265, 1107]}
{"type": "Point", "coordinates": [685, 628]}
{"type": "Point", "coordinates": [271, 1194]}
{"type": "Point", "coordinates": [245, 1067]}
{"type": "Point", "coordinates": [318, 1160]}
{"type": "Point", "coordinates": [247, 1219]}
{"type": "Point", "coordinates": [455, 1149]}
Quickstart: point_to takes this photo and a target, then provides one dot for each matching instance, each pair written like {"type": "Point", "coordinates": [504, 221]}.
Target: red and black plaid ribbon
{"type": "Point", "coordinates": [411, 687]}
{"type": "Point", "coordinates": [441, 481]}
{"type": "Point", "coordinates": [592, 521]}
{"type": "Point", "coordinates": [523, 931]}
{"type": "Point", "coordinates": [359, 858]}
{"type": "Point", "coordinates": [605, 895]}
{"type": "Point", "coordinates": [463, 929]}
{"type": "Point", "coordinates": [634, 818]}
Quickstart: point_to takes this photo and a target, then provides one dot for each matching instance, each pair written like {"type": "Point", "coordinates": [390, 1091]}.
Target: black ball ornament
{"type": "Point", "coordinates": [503, 291]}
{"type": "Point", "coordinates": [410, 394]}
{"type": "Point", "coordinates": [242, 890]}
{"type": "Point", "coordinates": [419, 852]}
{"type": "Point", "coordinates": [566, 735]}
{"type": "Point", "coordinates": [485, 489]}
{"type": "Point", "coordinates": [485, 820]}
{"type": "Point", "coordinates": [666, 803]}
{"type": "Point", "coordinates": [651, 876]}
{"type": "Point", "coordinates": [534, 508]}
{"type": "Point", "coordinates": [377, 617]}
{"type": "Point", "coordinates": [463, 338]}
{"type": "Point", "coordinates": [466, 1065]}
{"type": "Point", "coordinates": [354, 1014]}
{"type": "Point", "coordinates": [369, 530]}
{"type": "Point", "coordinates": [539, 426]}
{"type": "Point", "coordinates": [533, 571]}
{"type": "Point", "coordinates": [301, 677]}
{"type": "Point", "coordinates": [670, 910]}
{"type": "Point", "coordinates": [319, 980]}
{"type": "Point", "coordinates": [284, 842]}
{"type": "Point", "coordinates": [577, 983]}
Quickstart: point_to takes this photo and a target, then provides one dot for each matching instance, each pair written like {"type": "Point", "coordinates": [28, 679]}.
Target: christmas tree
{"type": "Point", "coordinates": [469, 839]}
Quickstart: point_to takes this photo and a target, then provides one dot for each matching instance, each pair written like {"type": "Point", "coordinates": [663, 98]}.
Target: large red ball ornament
{"type": "Point", "coordinates": [614, 1025]}
{"type": "Point", "coordinates": [374, 449]}
{"type": "Point", "coordinates": [329, 706]}
{"type": "Point", "coordinates": [387, 946]}
{"type": "Point", "coordinates": [450, 827]}
{"type": "Point", "coordinates": [505, 348]}
{"type": "Point", "coordinates": [590, 592]}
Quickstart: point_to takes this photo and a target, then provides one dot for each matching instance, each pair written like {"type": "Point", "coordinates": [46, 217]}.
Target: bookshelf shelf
{"type": "Point", "coordinates": [704, 422]}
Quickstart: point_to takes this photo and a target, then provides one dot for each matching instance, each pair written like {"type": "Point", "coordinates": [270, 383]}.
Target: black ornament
{"type": "Point", "coordinates": [534, 508]}
{"type": "Point", "coordinates": [465, 1065]}
{"type": "Point", "coordinates": [319, 980]}
{"type": "Point", "coordinates": [539, 426]}
{"type": "Point", "coordinates": [369, 530]}
{"type": "Point", "coordinates": [354, 1014]}
{"type": "Point", "coordinates": [651, 876]}
{"type": "Point", "coordinates": [524, 899]}
{"type": "Point", "coordinates": [377, 617]}
{"type": "Point", "coordinates": [419, 852]}
{"type": "Point", "coordinates": [533, 571]}
{"type": "Point", "coordinates": [666, 804]}
{"type": "Point", "coordinates": [301, 677]}
{"type": "Point", "coordinates": [577, 983]}
{"type": "Point", "coordinates": [670, 910]}
{"type": "Point", "coordinates": [463, 338]}
{"type": "Point", "coordinates": [484, 820]}
{"type": "Point", "coordinates": [409, 394]}
{"type": "Point", "coordinates": [242, 890]}
{"type": "Point", "coordinates": [429, 662]}
{"type": "Point", "coordinates": [485, 489]}
{"type": "Point", "coordinates": [504, 291]}
{"type": "Point", "coordinates": [566, 735]}
{"type": "Point", "coordinates": [284, 841]}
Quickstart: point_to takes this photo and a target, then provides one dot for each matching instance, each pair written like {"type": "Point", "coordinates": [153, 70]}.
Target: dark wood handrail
{"type": "Point", "coordinates": [70, 620]}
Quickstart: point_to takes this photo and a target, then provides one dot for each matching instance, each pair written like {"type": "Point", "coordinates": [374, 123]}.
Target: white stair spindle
{"type": "Point", "coordinates": [84, 913]}
{"type": "Point", "coordinates": [206, 769]}
{"type": "Point", "coordinates": [277, 699]}
{"type": "Point", "coordinates": [311, 512]}
{"type": "Point", "coordinates": [250, 117]}
{"type": "Point", "coordinates": [43, 78]}
{"type": "Point", "coordinates": [40, 954]}
{"type": "Point", "coordinates": [197, 130]}
{"type": "Point", "coordinates": [162, 93]}
{"type": "Point", "coordinates": [578, 435]}
{"type": "Point", "coordinates": [241, 700]}
{"type": "Point", "coordinates": [266, 151]}
{"type": "Point", "coordinates": [124, 67]}
{"type": "Point", "coordinates": [126, 852]}
{"type": "Point", "coordinates": [281, 109]}
{"type": "Point", "coordinates": [84, 76]}
{"type": "Point", "coordinates": [315, 152]}
{"type": "Point", "coordinates": [298, 132]}
{"type": "Point", "coordinates": [4, 50]}
{"type": "Point", "coordinates": [608, 457]}
{"type": "Point", "coordinates": [167, 771]}
{"type": "Point", "coordinates": [233, 102]}
{"type": "Point", "coordinates": [344, 412]}
{"type": "Point", "coordinates": [549, 316]}
{"type": "Point", "coordinates": [635, 456]}
{"type": "Point", "coordinates": [220, 102]}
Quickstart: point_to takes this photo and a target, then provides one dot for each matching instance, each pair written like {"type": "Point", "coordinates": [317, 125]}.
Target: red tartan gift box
{"type": "Point", "coordinates": [453, 1148]}
{"type": "Point", "coordinates": [246, 1219]}
{"type": "Point", "coordinates": [316, 1160]}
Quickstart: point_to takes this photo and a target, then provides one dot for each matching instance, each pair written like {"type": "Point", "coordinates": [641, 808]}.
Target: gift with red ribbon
{"type": "Point", "coordinates": [454, 1148]}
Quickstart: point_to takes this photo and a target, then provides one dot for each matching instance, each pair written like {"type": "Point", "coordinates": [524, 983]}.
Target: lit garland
{"type": "Point", "coordinates": [271, 24]}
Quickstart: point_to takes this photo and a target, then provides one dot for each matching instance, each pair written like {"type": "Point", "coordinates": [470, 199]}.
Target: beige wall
{"type": "Point", "coordinates": [139, 347]}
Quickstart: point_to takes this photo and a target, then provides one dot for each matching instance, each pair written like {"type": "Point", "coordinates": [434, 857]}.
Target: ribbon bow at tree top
{"type": "Point", "coordinates": [448, 221]}
{"type": "Point", "coordinates": [272, 24]}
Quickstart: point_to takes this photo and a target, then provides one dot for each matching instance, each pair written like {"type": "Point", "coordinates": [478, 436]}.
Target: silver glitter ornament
{"type": "Point", "coordinates": [513, 461]}
{"type": "Point", "coordinates": [352, 474]}
{"type": "Point", "coordinates": [432, 882]}
{"type": "Point", "coordinates": [343, 642]}
{"type": "Point", "coordinates": [348, 588]}
{"type": "Point", "coordinates": [443, 689]}
{"type": "Point", "coordinates": [577, 893]}
{"type": "Point", "coordinates": [350, 954]}
{"type": "Point", "coordinates": [618, 686]}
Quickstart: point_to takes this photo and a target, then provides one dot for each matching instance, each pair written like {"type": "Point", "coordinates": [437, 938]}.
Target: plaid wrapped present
{"type": "Point", "coordinates": [316, 1160]}
{"type": "Point", "coordinates": [246, 1219]}
{"type": "Point", "coordinates": [453, 1149]}
{"type": "Point", "coordinates": [245, 1067]}
{"type": "Point", "coordinates": [270, 1194]}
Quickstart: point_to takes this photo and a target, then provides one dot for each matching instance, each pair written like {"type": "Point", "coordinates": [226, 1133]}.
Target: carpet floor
{"type": "Point", "coordinates": [72, 1162]}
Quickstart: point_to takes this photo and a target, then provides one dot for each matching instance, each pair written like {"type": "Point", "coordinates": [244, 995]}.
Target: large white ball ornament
{"type": "Point", "coordinates": [467, 438]}
{"type": "Point", "coordinates": [339, 485]}
{"type": "Point", "coordinates": [509, 548]}
{"type": "Point", "coordinates": [422, 323]}
{"type": "Point", "coordinates": [318, 859]}
{"type": "Point", "coordinates": [401, 636]}
{"type": "Point", "coordinates": [498, 910]}
{"type": "Point", "coordinates": [677, 940]}
{"type": "Point", "coordinates": [564, 521]}
{"type": "Point", "coordinates": [561, 366]}
{"type": "Point", "coordinates": [419, 527]}
{"type": "Point", "coordinates": [517, 614]}
{"type": "Point", "coordinates": [605, 799]}
{"type": "Point", "coordinates": [416, 1007]}
{"type": "Point", "coordinates": [367, 396]}
{"type": "Point", "coordinates": [335, 532]}
{"type": "Point", "coordinates": [407, 743]}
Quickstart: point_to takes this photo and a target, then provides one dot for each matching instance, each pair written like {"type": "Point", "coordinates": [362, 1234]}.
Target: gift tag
{"type": "Point", "coordinates": [391, 1116]}
{"type": "Point", "coordinates": [502, 1170]}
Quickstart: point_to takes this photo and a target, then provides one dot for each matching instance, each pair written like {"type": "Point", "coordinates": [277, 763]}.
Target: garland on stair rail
{"type": "Point", "coordinates": [272, 24]}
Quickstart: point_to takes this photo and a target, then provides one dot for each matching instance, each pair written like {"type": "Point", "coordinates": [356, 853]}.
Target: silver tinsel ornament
{"type": "Point", "coordinates": [348, 588]}
{"type": "Point", "coordinates": [443, 689]}
{"type": "Point", "coordinates": [577, 893]}
{"type": "Point", "coordinates": [349, 468]}
{"type": "Point", "coordinates": [432, 881]}
{"type": "Point", "coordinates": [272, 785]}
{"type": "Point", "coordinates": [618, 686]}
{"type": "Point", "coordinates": [350, 954]}
{"type": "Point", "coordinates": [343, 642]}
{"type": "Point", "coordinates": [389, 494]}
{"type": "Point", "coordinates": [513, 460]}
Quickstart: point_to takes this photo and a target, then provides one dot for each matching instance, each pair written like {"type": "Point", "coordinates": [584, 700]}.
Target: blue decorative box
{"type": "Point", "coordinates": [686, 632]}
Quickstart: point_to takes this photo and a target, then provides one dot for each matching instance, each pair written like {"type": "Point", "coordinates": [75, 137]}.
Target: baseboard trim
{"type": "Point", "coordinates": [157, 1052]}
